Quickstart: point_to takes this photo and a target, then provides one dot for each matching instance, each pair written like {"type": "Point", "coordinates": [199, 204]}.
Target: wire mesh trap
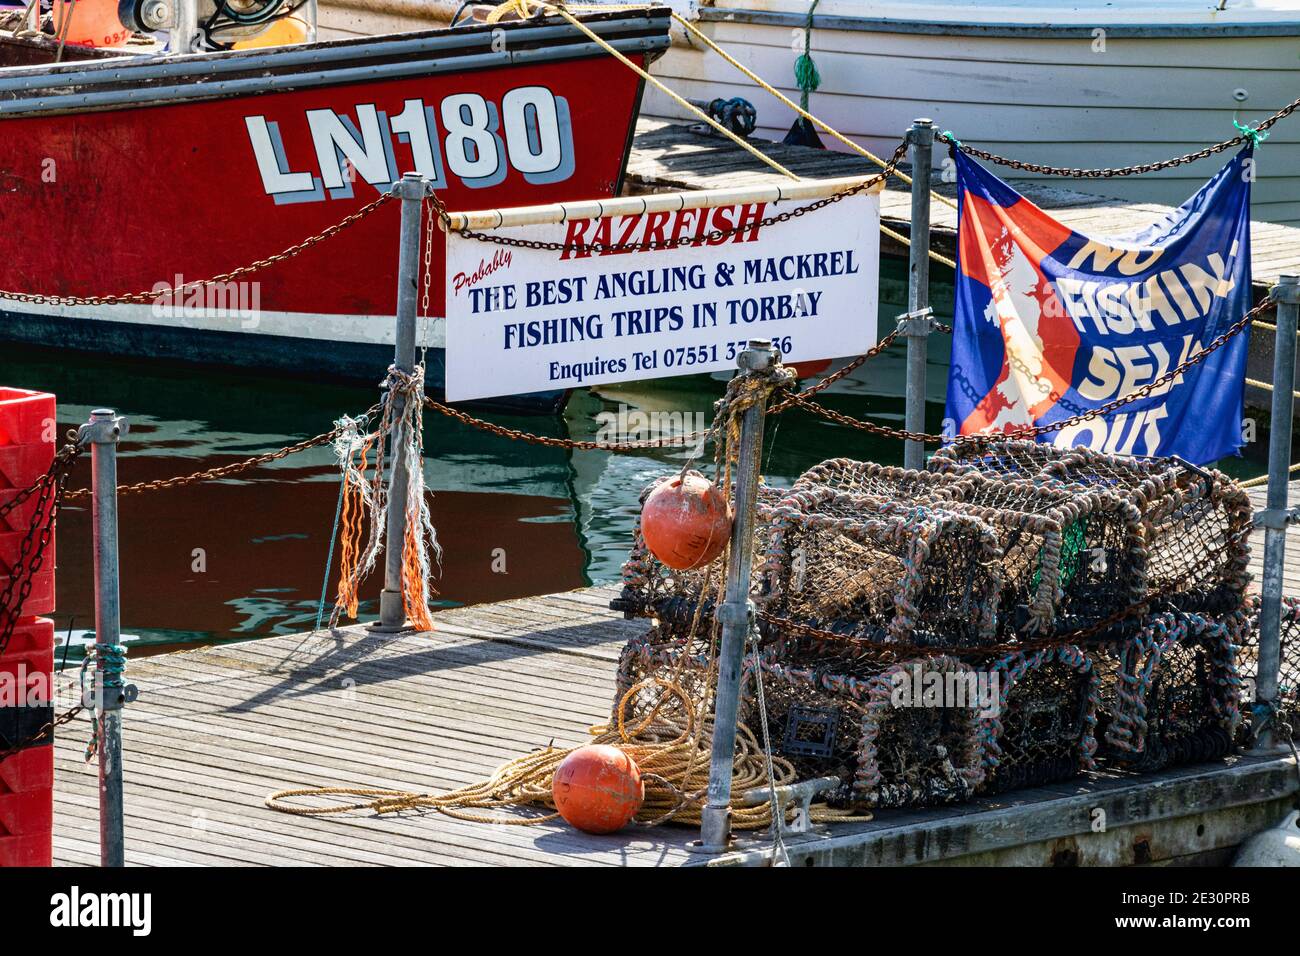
{"type": "Point", "coordinates": [1067, 558]}
{"type": "Point", "coordinates": [672, 654]}
{"type": "Point", "coordinates": [1288, 678]}
{"type": "Point", "coordinates": [887, 728]}
{"type": "Point", "coordinates": [1195, 522]}
{"type": "Point", "coordinates": [1177, 692]}
{"type": "Point", "coordinates": [882, 570]}
{"type": "Point", "coordinates": [1045, 727]}
{"type": "Point", "coordinates": [652, 589]}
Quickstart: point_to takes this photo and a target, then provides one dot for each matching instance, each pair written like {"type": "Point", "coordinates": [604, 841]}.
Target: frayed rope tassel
{"type": "Point", "coordinates": [366, 494]}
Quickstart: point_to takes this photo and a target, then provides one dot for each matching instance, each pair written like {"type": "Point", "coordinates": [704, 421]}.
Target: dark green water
{"type": "Point", "coordinates": [245, 557]}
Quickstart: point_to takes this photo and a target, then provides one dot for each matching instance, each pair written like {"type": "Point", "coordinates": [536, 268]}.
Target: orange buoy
{"type": "Point", "coordinates": [686, 521]}
{"type": "Point", "coordinates": [286, 31]}
{"type": "Point", "coordinates": [597, 788]}
{"type": "Point", "coordinates": [89, 23]}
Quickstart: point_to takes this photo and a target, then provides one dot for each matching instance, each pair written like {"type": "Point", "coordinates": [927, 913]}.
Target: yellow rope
{"type": "Point", "coordinates": [525, 9]}
{"type": "Point", "coordinates": [908, 242]}
{"type": "Point", "coordinates": [1263, 479]}
{"type": "Point", "coordinates": [826, 127]}
{"type": "Point", "coordinates": [1265, 385]}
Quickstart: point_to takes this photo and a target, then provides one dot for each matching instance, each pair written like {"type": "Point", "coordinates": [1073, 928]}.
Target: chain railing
{"type": "Point", "coordinates": [713, 237]}
{"type": "Point", "coordinates": [1035, 431]}
{"type": "Point", "coordinates": [1247, 135]}
{"type": "Point", "coordinates": [152, 295]}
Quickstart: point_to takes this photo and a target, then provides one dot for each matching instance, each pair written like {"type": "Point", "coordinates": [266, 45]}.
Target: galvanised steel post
{"type": "Point", "coordinates": [736, 612]}
{"type": "Point", "coordinates": [102, 432]}
{"type": "Point", "coordinates": [1276, 518]}
{"type": "Point", "coordinates": [412, 190]}
{"type": "Point", "coordinates": [920, 138]}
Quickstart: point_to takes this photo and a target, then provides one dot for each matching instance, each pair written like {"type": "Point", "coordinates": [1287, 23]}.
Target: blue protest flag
{"type": "Point", "coordinates": [1051, 323]}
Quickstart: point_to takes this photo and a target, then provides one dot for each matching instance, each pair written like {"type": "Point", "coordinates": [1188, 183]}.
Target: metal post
{"type": "Point", "coordinates": [411, 190]}
{"type": "Point", "coordinates": [920, 138]}
{"type": "Point", "coordinates": [736, 612]}
{"type": "Point", "coordinates": [103, 432]}
{"type": "Point", "coordinates": [185, 26]}
{"type": "Point", "coordinates": [1276, 517]}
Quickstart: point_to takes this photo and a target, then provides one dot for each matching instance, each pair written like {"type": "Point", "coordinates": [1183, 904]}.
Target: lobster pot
{"type": "Point", "coordinates": [1069, 556]}
{"type": "Point", "coordinates": [1195, 521]}
{"type": "Point", "coordinates": [1178, 692]}
{"type": "Point", "coordinates": [652, 589]}
{"type": "Point", "coordinates": [881, 570]}
{"type": "Point", "coordinates": [1288, 678]}
{"type": "Point", "coordinates": [867, 479]}
{"type": "Point", "coordinates": [660, 657]}
{"type": "Point", "coordinates": [1045, 727]}
{"type": "Point", "coordinates": [883, 728]}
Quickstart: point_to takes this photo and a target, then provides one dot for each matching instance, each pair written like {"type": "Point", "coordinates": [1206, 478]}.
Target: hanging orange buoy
{"type": "Point", "coordinates": [686, 521]}
{"type": "Point", "coordinates": [597, 788]}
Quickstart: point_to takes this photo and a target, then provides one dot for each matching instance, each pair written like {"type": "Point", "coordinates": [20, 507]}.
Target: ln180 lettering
{"type": "Point", "coordinates": [466, 136]}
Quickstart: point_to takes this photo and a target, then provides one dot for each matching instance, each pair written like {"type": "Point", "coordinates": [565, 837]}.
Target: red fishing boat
{"type": "Point", "coordinates": [123, 171]}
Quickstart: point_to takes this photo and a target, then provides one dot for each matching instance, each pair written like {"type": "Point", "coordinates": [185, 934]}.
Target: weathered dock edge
{"type": "Point", "coordinates": [1194, 814]}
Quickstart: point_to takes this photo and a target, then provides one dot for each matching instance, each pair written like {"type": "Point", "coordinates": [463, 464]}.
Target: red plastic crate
{"type": "Point", "coordinates": [28, 770]}
{"type": "Point", "coordinates": [32, 635]}
{"type": "Point", "coordinates": [32, 850]}
{"type": "Point", "coordinates": [41, 598]}
{"type": "Point", "coordinates": [21, 465]}
{"type": "Point", "coordinates": [33, 669]}
{"type": "Point", "coordinates": [27, 813]}
{"type": "Point", "coordinates": [26, 417]}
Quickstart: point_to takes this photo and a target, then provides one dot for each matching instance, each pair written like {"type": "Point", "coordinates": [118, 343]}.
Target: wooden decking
{"type": "Point", "coordinates": [669, 156]}
{"type": "Point", "coordinates": [215, 730]}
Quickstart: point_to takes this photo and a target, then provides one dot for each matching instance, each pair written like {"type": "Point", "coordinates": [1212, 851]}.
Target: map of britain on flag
{"type": "Point", "coordinates": [1050, 323]}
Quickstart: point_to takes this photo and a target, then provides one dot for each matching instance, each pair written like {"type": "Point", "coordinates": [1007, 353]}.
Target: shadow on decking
{"type": "Point", "coordinates": [362, 662]}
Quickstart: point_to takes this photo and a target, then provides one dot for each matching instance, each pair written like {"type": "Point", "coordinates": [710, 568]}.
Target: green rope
{"type": "Point", "coordinates": [947, 137]}
{"type": "Point", "coordinates": [1256, 136]}
{"type": "Point", "coordinates": [1074, 541]}
{"type": "Point", "coordinates": [805, 70]}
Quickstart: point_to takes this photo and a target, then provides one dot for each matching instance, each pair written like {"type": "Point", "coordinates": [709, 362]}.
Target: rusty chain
{"type": "Point", "coordinates": [40, 532]}
{"type": "Point", "coordinates": [1108, 173]}
{"type": "Point", "coordinates": [225, 471]}
{"type": "Point", "coordinates": [1033, 431]}
{"type": "Point", "coordinates": [711, 238]}
{"type": "Point", "coordinates": [515, 434]}
{"type": "Point", "coordinates": [144, 298]}
{"type": "Point", "coordinates": [46, 732]}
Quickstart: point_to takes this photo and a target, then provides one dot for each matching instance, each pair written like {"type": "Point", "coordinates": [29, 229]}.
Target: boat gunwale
{"type": "Point", "coordinates": [124, 81]}
{"type": "Point", "coordinates": [1043, 30]}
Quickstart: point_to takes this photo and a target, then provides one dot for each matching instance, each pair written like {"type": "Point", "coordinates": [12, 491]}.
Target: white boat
{"type": "Point", "coordinates": [1086, 83]}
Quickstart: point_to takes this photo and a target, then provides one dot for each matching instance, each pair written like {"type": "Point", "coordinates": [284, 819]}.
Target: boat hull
{"type": "Point", "coordinates": [134, 175]}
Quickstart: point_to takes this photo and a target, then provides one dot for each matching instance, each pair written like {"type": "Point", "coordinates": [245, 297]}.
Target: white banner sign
{"type": "Point", "coordinates": [527, 320]}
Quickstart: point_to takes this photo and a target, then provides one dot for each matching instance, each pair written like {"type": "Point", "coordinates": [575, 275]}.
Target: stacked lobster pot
{"type": "Point", "coordinates": [1005, 618]}
{"type": "Point", "coordinates": [1288, 678]}
{"type": "Point", "coordinates": [1171, 646]}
